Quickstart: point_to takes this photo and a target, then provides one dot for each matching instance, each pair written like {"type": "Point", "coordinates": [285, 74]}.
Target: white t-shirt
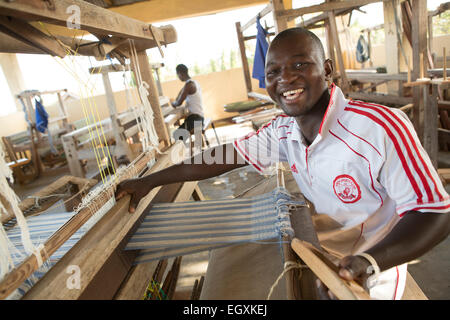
{"type": "Point", "coordinates": [194, 101]}
{"type": "Point", "coordinates": [363, 171]}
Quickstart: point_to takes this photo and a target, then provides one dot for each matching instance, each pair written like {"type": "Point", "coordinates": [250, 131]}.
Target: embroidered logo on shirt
{"type": "Point", "coordinates": [294, 168]}
{"type": "Point", "coordinates": [346, 189]}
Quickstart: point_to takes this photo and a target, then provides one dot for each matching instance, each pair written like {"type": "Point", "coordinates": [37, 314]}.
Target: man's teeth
{"type": "Point", "coordinates": [293, 92]}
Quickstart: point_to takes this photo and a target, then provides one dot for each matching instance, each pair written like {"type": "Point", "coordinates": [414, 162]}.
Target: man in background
{"type": "Point", "coordinates": [191, 93]}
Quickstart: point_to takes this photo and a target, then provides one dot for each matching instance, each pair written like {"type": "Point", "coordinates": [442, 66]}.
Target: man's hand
{"type": "Point", "coordinates": [350, 268]}
{"type": "Point", "coordinates": [137, 188]}
{"type": "Point", "coordinates": [355, 268]}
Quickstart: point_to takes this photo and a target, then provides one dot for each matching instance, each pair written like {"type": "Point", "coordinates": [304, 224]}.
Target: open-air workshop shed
{"type": "Point", "coordinates": [65, 175]}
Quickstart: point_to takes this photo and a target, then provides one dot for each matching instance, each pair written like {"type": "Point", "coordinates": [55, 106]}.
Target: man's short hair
{"type": "Point", "coordinates": [301, 31]}
{"type": "Point", "coordinates": [181, 68]}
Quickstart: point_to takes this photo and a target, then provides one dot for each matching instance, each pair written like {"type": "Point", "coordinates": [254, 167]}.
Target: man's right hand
{"type": "Point", "coordinates": [137, 188]}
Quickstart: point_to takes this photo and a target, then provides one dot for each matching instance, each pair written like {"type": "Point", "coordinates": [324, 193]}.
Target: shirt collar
{"type": "Point", "coordinates": [336, 98]}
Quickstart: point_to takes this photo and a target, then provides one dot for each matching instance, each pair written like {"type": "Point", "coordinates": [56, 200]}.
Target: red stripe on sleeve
{"type": "Point", "coordinates": [397, 148]}
{"type": "Point", "coordinates": [411, 139]}
{"type": "Point", "coordinates": [359, 137]}
{"type": "Point", "coordinates": [246, 156]}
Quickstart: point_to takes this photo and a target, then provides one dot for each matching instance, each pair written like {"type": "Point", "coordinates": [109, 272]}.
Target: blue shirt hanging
{"type": "Point", "coordinates": [41, 117]}
{"type": "Point", "coordinates": [260, 55]}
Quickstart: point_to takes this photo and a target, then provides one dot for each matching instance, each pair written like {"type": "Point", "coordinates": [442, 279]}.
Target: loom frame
{"type": "Point", "coordinates": [21, 17]}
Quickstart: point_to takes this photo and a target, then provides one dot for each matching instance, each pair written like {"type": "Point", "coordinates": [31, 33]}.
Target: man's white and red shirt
{"type": "Point", "coordinates": [365, 169]}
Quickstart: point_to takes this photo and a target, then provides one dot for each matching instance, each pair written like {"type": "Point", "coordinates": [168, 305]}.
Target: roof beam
{"type": "Point", "coordinates": [92, 18]}
{"type": "Point", "coordinates": [28, 34]}
{"type": "Point", "coordinates": [329, 6]}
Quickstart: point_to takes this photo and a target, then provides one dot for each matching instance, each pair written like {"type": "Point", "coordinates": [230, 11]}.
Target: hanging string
{"type": "Point", "coordinates": [150, 139]}
{"type": "Point", "coordinates": [10, 200]}
{"type": "Point", "coordinates": [288, 266]}
{"type": "Point", "coordinates": [96, 140]}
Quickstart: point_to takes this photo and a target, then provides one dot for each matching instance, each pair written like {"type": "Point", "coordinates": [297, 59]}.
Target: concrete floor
{"type": "Point", "coordinates": [431, 271]}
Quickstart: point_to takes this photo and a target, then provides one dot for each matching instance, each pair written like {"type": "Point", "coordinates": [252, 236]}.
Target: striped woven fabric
{"type": "Point", "coordinates": [41, 227]}
{"type": "Point", "coordinates": [174, 229]}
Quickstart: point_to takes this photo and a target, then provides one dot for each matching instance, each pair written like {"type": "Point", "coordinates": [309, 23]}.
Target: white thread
{"type": "Point", "coordinates": [37, 253]}
{"type": "Point", "coordinates": [288, 265]}
{"type": "Point", "coordinates": [150, 138]}
{"type": "Point", "coordinates": [11, 198]}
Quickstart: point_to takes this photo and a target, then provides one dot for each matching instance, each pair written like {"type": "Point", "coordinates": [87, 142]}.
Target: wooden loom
{"type": "Point", "coordinates": [100, 258]}
{"type": "Point", "coordinates": [99, 251]}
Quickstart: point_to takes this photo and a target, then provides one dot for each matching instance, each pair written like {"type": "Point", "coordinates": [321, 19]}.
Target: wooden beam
{"type": "Point", "coordinates": [322, 17]}
{"type": "Point", "coordinates": [304, 230]}
{"type": "Point", "coordinates": [18, 275]}
{"type": "Point", "coordinates": [28, 34]}
{"type": "Point", "coordinates": [327, 272]}
{"type": "Point", "coordinates": [134, 286]}
{"type": "Point", "coordinates": [153, 97]}
{"type": "Point", "coordinates": [391, 44]}
{"type": "Point", "coordinates": [245, 67]}
{"type": "Point", "coordinates": [329, 6]}
{"type": "Point", "coordinates": [254, 37]}
{"type": "Point", "coordinates": [335, 35]}
{"type": "Point", "coordinates": [261, 14]}
{"type": "Point", "coordinates": [93, 18]}
{"type": "Point", "coordinates": [419, 20]}
{"type": "Point", "coordinates": [373, 86]}
{"type": "Point", "coordinates": [372, 77]}
{"type": "Point", "coordinates": [430, 134]}
{"type": "Point", "coordinates": [279, 21]}
{"type": "Point", "coordinates": [378, 98]}
{"type": "Point", "coordinates": [114, 275]}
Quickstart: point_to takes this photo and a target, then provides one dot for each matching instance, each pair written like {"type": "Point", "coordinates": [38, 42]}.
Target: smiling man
{"type": "Point", "coordinates": [379, 202]}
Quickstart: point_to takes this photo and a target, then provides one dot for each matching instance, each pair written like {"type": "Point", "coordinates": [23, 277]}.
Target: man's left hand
{"type": "Point", "coordinates": [354, 268]}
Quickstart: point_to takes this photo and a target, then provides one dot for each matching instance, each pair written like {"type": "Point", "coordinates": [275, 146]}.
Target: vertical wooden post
{"type": "Point", "coordinates": [70, 150]}
{"type": "Point", "coordinates": [330, 44]}
{"type": "Point", "coordinates": [369, 44]}
{"type": "Point", "coordinates": [280, 22]}
{"type": "Point", "coordinates": [245, 68]}
{"type": "Point", "coordinates": [63, 111]}
{"type": "Point", "coordinates": [430, 36]}
{"type": "Point", "coordinates": [444, 65]}
{"type": "Point", "coordinates": [33, 133]}
{"type": "Point", "coordinates": [391, 43]}
{"type": "Point", "coordinates": [290, 23]}
{"type": "Point", "coordinates": [430, 137]}
{"type": "Point", "coordinates": [337, 44]}
{"type": "Point", "coordinates": [158, 81]}
{"type": "Point", "coordinates": [153, 97]}
{"type": "Point", "coordinates": [419, 46]}
{"type": "Point", "coordinates": [121, 144]}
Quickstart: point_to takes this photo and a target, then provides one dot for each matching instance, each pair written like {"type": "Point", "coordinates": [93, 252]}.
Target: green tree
{"type": "Point", "coordinates": [196, 69]}
{"type": "Point", "coordinates": [441, 23]}
{"type": "Point", "coordinates": [223, 66]}
{"type": "Point", "coordinates": [212, 65]}
{"type": "Point", "coordinates": [233, 59]}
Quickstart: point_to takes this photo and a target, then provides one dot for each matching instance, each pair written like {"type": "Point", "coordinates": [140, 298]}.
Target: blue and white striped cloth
{"type": "Point", "coordinates": [41, 228]}
{"type": "Point", "coordinates": [174, 229]}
